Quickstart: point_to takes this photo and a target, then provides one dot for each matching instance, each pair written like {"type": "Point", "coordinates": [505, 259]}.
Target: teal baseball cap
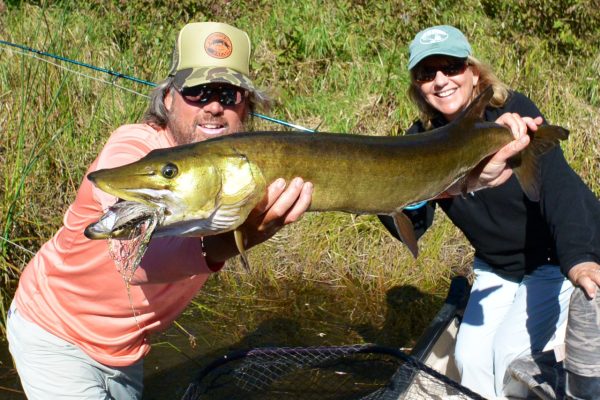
{"type": "Point", "coordinates": [443, 40]}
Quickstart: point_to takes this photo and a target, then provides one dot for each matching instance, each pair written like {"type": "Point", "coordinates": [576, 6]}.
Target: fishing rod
{"type": "Point", "coordinates": [133, 79]}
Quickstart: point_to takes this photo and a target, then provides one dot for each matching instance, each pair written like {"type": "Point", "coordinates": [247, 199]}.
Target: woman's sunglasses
{"type": "Point", "coordinates": [427, 73]}
{"type": "Point", "coordinates": [227, 95]}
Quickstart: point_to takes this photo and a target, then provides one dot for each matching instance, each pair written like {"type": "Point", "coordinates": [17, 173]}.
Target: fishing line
{"type": "Point", "coordinates": [126, 77]}
{"type": "Point", "coordinates": [82, 64]}
{"type": "Point", "coordinates": [17, 245]}
{"type": "Point", "coordinates": [78, 72]}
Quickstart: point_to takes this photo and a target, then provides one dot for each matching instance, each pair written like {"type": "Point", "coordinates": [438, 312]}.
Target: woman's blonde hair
{"type": "Point", "coordinates": [486, 78]}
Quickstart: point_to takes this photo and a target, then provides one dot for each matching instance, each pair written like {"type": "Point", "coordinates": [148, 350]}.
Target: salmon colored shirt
{"type": "Point", "coordinates": [72, 288]}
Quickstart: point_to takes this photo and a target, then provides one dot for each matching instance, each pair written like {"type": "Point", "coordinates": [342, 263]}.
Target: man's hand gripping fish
{"type": "Point", "coordinates": [210, 187]}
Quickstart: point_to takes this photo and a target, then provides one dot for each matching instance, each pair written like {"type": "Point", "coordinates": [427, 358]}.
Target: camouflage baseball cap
{"type": "Point", "coordinates": [211, 52]}
{"type": "Point", "coordinates": [438, 40]}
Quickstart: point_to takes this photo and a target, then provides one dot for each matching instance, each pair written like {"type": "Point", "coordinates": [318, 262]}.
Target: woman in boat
{"type": "Point", "coordinates": [524, 250]}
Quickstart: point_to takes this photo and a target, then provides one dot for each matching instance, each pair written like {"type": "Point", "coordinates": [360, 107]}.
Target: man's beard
{"type": "Point", "coordinates": [182, 133]}
{"type": "Point", "coordinates": [187, 133]}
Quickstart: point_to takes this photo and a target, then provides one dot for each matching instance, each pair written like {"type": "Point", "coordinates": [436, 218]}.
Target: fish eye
{"type": "Point", "coordinates": [170, 171]}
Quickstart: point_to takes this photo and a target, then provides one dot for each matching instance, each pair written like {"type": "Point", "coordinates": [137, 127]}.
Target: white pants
{"type": "Point", "coordinates": [505, 319]}
{"type": "Point", "coordinates": [51, 368]}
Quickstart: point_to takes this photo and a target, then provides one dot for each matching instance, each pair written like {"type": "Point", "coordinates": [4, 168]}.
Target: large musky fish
{"type": "Point", "coordinates": [210, 187]}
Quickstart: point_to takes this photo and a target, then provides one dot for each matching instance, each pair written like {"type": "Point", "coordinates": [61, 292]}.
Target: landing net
{"type": "Point", "coordinates": [365, 372]}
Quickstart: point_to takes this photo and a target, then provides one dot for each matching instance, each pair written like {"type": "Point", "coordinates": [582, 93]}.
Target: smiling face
{"type": "Point", "coordinates": [450, 89]}
{"type": "Point", "coordinates": [191, 122]}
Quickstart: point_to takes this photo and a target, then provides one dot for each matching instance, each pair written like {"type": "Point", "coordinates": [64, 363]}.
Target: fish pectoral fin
{"type": "Point", "coordinates": [406, 232]}
{"type": "Point", "coordinates": [239, 243]}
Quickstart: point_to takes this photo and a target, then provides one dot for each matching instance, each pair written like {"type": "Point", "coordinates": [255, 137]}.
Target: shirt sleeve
{"type": "Point", "coordinates": [569, 207]}
{"type": "Point", "coordinates": [169, 259]}
{"type": "Point", "coordinates": [572, 212]}
{"type": "Point", "coordinates": [126, 145]}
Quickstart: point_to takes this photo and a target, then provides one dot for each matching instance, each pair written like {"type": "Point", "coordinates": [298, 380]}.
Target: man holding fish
{"type": "Point", "coordinates": [524, 249]}
{"type": "Point", "coordinates": [75, 328]}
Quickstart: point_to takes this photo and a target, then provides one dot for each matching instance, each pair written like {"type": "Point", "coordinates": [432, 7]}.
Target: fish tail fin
{"type": "Point", "coordinates": [526, 164]}
{"type": "Point", "coordinates": [239, 243]}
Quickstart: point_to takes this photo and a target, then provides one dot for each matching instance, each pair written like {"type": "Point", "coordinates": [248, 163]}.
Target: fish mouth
{"type": "Point", "coordinates": [125, 220]}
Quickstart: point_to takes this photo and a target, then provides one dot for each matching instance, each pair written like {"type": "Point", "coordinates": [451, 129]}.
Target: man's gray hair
{"type": "Point", "coordinates": [157, 114]}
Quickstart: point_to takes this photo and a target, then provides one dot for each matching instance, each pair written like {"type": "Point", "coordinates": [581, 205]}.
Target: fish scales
{"type": "Point", "coordinates": [362, 174]}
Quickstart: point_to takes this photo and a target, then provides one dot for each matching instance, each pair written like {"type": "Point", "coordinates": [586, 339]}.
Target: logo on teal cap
{"type": "Point", "coordinates": [433, 36]}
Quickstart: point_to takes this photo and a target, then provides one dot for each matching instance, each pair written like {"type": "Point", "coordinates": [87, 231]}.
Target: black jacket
{"type": "Point", "coordinates": [508, 231]}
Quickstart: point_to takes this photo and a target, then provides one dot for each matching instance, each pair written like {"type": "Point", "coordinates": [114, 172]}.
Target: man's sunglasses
{"type": "Point", "coordinates": [427, 73]}
{"type": "Point", "coordinates": [227, 96]}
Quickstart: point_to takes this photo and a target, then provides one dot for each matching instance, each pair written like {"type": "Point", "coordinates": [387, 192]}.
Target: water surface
{"type": "Point", "coordinates": [228, 316]}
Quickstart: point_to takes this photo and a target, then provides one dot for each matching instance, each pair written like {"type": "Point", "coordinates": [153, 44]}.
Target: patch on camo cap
{"type": "Point", "coordinates": [218, 45]}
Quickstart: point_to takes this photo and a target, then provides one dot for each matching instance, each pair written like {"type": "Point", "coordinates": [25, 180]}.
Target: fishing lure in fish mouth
{"type": "Point", "coordinates": [122, 219]}
{"type": "Point", "coordinates": [211, 186]}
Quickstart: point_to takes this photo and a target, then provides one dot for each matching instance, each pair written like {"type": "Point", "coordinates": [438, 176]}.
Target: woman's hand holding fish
{"type": "Point", "coordinates": [496, 170]}
{"type": "Point", "coordinates": [586, 275]}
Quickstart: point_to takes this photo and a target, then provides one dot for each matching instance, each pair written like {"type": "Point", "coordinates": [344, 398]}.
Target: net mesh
{"type": "Point", "coordinates": [128, 252]}
{"type": "Point", "coordinates": [347, 372]}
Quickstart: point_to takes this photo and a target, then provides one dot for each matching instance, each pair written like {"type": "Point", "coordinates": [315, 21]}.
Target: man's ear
{"type": "Point", "coordinates": [168, 100]}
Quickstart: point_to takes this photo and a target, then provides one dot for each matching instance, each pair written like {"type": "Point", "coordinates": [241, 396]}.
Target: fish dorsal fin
{"type": "Point", "coordinates": [474, 111]}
